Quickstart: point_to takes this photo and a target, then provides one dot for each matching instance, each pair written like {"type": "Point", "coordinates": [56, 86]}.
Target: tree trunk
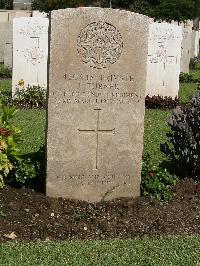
{"type": "Point", "coordinates": [196, 15]}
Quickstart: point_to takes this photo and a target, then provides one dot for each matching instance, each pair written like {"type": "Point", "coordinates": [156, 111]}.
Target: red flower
{"type": "Point", "coordinates": [5, 132]}
{"type": "Point", "coordinates": [151, 174]}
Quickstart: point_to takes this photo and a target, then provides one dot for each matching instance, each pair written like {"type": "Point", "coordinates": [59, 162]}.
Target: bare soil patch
{"type": "Point", "coordinates": [32, 216]}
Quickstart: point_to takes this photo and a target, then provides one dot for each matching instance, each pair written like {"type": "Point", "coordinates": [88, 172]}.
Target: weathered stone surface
{"type": "Point", "coordinates": [8, 35]}
{"type": "Point", "coordinates": [3, 30]}
{"type": "Point", "coordinates": [30, 52]}
{"type": "Point", "coordinates": [36, 13]}
{"type": "Point", "coordinates": [3, 16]}
{"type": "Point", "coordinates": [164, 53]}
{"type": "Point", "coordinates": [18, 14]}
{"type": "Point", "coordinates": [186, 47]}
{"type": "Point", "coordinates": [8, 45]}
{"type": "Point", "coordinates": [194, 44]}
{"type": "Point", "coordinates": [96, 103]}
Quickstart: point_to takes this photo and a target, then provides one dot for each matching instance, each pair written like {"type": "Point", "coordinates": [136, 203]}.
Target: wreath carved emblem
{"type": "Point", "coordinates": [99, 45]}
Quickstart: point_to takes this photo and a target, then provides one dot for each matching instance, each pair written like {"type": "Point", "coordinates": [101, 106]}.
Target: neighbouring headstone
{"type": "Point", "coordinates": [8, 46]}
{"type": "Point", "coordinates": [3, 15]}
{"type": "Point", "coordinates": [8, 37]}
{"type": "Point", "coordinates": [164, 53]}
{"type": "Point", "coordinates": [36, 13]}
{"type": "Point", "coordinates": [194, 44]}
{"type": "Point", "coordinates": [3, 30]}
{"type": "Point", "coordinates": [30, 52]}
{"type": "Point", "coordinates": [19, 14]}
{"type": "Point", "coordinates": [186, 47]}
{"type": "Point", "coordinates": [96, 104]}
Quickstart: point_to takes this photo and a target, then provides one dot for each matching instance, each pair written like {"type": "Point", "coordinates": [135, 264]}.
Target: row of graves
{"type": "Point", "coordinates": [100, 63]}
{"type": "Point", "coordinates": [24, 48]}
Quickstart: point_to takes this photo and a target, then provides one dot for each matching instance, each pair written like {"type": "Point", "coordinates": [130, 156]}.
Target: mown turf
{"type": "Point", "coordinates": [5, 85]}
{"type": "Point", "coordinates": [187, 90]}
{"type": "Point", "coordinates": [180, 251]}
{"type": "Point", "coordinates": [155, 131]}
{"type": "Point", "coordinates": [32, 124]}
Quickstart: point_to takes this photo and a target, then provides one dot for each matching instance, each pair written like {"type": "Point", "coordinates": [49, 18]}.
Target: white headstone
{"type": "Point", "coordinates": [18, 14]}
{"type": "Point", "coordinates": [194, 44]}
{"type": "Point", "coordinates": [3, 23]}
{"type": "Point", "coordinates": [30, 52]}
{"type": "Point", "coordinates": [164, 53]}
{"type": "Point", "coordinates": [186, 47]}
{"type": "Point", "coordinates": [36, 13]}
{"type": "Point", "coordinates": [3, 16]}
{"type": "Point", "coordinates": [8, 36]}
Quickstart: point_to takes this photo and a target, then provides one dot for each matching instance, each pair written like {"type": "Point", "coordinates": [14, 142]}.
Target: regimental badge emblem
{"type": "Point", "coordinates": [99, 45]}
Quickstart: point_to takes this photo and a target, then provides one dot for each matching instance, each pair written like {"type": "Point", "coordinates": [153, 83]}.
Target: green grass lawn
{"type": "Point", "coordinates": [180, 251]}
{"type": "Point", "coordinates": [32, 123]}
{"type": "Point", "coordinates": [187, 90]}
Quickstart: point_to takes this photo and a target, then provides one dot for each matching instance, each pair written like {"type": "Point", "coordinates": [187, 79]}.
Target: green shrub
{"type": "Point", "coordinates": [9, 142]}
{"type": "Point", "coordinates": [30, 97]}
{"type": "Point", "coordinates": [47, 5]}
{"type": "Point", "coordinates": [30, 171]}
{"type": "Point", "coordinates": [156, 181]}
{"type": "Point", "coordinates": [6, 4]}
{"type": "Point", "coordinates": [185, 77]}
{"type": "Point", "coordinates": [194, 63]}
{"type": "Point", "coordinates": [183, 146]}
{"type": "Point", "coordinates": [5, 72]}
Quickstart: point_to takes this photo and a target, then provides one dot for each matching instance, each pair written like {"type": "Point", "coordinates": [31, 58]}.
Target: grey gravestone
{"type": "Point", "coordinates": [8, 56]}
{"type": "Point", "coordinates": [96, 97]}
{"type": "Point", "coordinates": [3, 30]}
{"type": "Point", "coordinates": [186, 48]}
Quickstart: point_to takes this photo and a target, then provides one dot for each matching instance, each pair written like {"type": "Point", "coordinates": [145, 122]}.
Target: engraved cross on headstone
{"type": "Point", "coordinates": [162, 58]}
{"type": "Point", "coordinates": [38, 45]}
{"type": "Point", "coordinates": [97, 131]}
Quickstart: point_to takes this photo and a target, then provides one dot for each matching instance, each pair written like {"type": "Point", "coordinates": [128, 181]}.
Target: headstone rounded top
{"type": "Point", "coordinates": [99, 44]}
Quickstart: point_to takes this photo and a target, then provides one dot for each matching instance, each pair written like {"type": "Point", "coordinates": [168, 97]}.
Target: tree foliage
{"type": "Point", "coordinates": [179, 10]}
{"type": "Point", "coordinates": [6, 4]}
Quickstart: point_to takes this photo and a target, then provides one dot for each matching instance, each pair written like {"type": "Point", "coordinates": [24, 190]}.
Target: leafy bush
{"type": "Point", "coordinates": [6, 4]}
{"type": "Point", "coordinates": [9, 142]}
{"type": "Point", "coordinates": [46, 5]}
{"type": "Point", "coordinates": [156, 181]}
{"type": "Point", "coordinates": [194, 63]}
{"type": "Point", "coordinates": [178, 10]}
{"type": "Point", "coordinates": [159, 102]}
{"type": "Point", "coordinates": [185, 77]}
{"type": "Point", "coordinates": [5, 72]}
{"type": "Point", "coordinates": [30, 97]}
{"type": "Point", "coordinates": [29, 171]}
{"type": "Point", "coordinates": [183, 146]}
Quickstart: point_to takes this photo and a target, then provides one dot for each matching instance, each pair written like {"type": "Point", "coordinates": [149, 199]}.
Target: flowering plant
{"type": "Point", "coordinates": [9, 139]}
